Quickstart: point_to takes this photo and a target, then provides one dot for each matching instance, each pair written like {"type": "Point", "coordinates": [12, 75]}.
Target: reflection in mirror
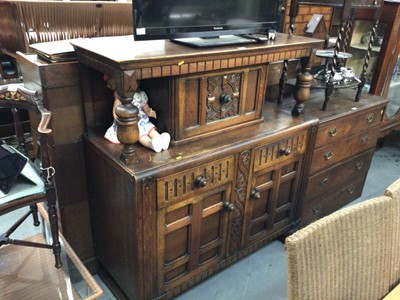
{"type": "Point", "coordinates": [394, 92]}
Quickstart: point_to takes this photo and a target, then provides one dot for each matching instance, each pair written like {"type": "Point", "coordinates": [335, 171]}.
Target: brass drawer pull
{"type": "Point", "coordinates": [328, 155]}
{"type": "Point", "coordinates": [359, 165]}
{"type": "Point", "coordinates": [364, 139]}
{"type": "Point", "coordinates": [316, 209]}
{"type": "Point", "coordinates": [351, 190]}
{"type": "Point", "coordinates": [333, 131]}
{"type": "Point", "coordinates": [323, 181]}
{"type": "Point", "coordinates": [370, 118]}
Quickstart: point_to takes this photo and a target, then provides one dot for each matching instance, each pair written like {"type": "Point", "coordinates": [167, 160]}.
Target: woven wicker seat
{"type": "Point", "coordinates": [351, 254]}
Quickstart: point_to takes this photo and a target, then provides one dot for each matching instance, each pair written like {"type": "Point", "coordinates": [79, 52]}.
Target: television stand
{"type": "Point", "coordinates": [222, 40]}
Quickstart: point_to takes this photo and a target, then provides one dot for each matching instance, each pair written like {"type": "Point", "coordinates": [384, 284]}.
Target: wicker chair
{"type": "Point", "coordinates": [351, 254]}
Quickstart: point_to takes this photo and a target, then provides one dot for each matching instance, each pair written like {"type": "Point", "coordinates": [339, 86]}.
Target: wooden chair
{"type": "Point", "coordinates": [36, 179]}
{"type": "Point", "coordinates": [351, 254]}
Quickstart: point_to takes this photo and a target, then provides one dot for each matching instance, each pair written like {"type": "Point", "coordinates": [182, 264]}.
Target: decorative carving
{"type": "Point", "coordinates": [226, 89]}
{"type": "Point", "coordinates": [240, 200]}
{"type": "Point", "coordinates": [16, 92]}
{"type": "Point", "coordinates": [174, 188]}
{"type": "Point", "coordinates": [13, 95]}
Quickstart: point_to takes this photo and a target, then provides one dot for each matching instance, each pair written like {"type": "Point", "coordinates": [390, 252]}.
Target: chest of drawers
{"type": "Point", "coordinates": [343, 149]}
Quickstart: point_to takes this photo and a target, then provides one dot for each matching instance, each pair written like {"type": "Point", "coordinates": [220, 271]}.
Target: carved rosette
{"type": "Point", "coordinates": [240, 200]}
{"type": "Point", "coordinates": [223, 97]}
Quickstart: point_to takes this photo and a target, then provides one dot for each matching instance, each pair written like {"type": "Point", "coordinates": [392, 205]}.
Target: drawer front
{"type": "Point", "coordinates": [322, 206]}
{"type": "Point", "coordinates": [333, 153]}
{"type": "Point", "coordinates": [217, 101]}
{"type": "Point", "coordinates": [267, 155]}
{"type": "Point", "coordinates": [179, 186]}
{"type": "Point", "coordinates": [322, 183]}
{"type": "Point", "coordinates": [337, 130]}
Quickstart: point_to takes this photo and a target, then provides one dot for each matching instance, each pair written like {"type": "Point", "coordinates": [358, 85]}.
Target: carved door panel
{"type": "Point", "coordinates": [272, 200]}
{"type": "Point", "coordinates": [192, 236]}
{"type": "Point", "coordinates": [216, 101]}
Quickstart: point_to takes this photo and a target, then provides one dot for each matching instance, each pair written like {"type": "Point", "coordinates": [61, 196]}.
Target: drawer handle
{"type": "Point", "coordinates": [285, 151]}
{"type": "Point", "coordinates": [370, 118]}
{"type": "Point", "coordinates": [359, 165]}
{"type": "Point", "coordinates": [351, 190]}
{"type": "Point", "coordinates": [255, 194]}
{"type": "Point", "coordinates": [324, 181]}
{"type": "Point", "coordinates": [328, 155]}
{"type": "Point", "coordinates": [316, 209]}
{"type": "Point", "coordinates": [332, 132]}
{"type": "Point", "coordinates": [228, 206]}
{"type": "Point", "coordinates": [364, 139]}
{"type": "Point", "coordinates": [200, 181]}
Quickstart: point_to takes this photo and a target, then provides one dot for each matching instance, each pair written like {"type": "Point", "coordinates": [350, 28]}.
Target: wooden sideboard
{"type": "Point", "coordinates": [230, 181]}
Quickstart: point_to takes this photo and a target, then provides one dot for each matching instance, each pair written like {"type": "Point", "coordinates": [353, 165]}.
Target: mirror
{"type": "Point", "coordinates": [394, 92]}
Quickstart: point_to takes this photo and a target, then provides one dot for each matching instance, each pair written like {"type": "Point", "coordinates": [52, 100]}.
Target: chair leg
{"type": "Point", "coordinates": [35, 216]}
{"type": "Point", "coordinates": [53, 220]}
{"type": "Point", "coordinates": [4, 238]}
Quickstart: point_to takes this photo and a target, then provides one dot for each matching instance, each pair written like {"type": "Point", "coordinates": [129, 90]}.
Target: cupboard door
{"type": "Point", "coordinates": [272, 201]}
{"type": "Point", "coordinates": [192, 236]}
{"type": "Point", "coordinates": [210, 102]}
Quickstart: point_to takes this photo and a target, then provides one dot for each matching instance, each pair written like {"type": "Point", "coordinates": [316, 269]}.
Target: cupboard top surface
{"type": "Point", "coordinates": [341, 104]}
{"type": "Point", "coordinates": [277, 125]}
{"type": "Point", "coordinates": [124, 50]}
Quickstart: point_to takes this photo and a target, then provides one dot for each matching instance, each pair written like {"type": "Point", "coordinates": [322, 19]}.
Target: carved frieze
{"type": "Point", "coordinates": [240, 200]}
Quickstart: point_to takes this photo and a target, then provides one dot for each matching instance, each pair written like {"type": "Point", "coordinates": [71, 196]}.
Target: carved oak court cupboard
{"type": "Point", "coordinates": [231, 179]}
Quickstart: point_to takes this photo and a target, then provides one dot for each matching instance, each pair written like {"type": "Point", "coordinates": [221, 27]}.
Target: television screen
{"type": "Point", "coordinates": [176, 19]}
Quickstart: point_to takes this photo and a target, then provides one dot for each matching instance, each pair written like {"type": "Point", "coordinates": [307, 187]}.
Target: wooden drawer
{"type": "Point", "coordinates": [322, 183]}
{"type": "Point", "coordinates": [179, 186]}
{"type": "Point", "coordinates": [333, 153]}
{"type": "Point", "coordinates": [267, 155]}
{"type": "Point", "coordinates": [334, 131]}
{"type": "Point", "coordinates": [332, 201]}
{"type": "Point", "coordinates": [218, 101]}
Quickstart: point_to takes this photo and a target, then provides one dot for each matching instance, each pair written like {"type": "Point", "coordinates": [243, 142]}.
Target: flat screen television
{"type": "Point", "coordinates": [205, 23]}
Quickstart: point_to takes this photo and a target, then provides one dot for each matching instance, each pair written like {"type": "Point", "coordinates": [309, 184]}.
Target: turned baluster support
{"type": "Point", "coordinates": [303, 86]}
{"type": "Point", "coordinates": [127, 129]}
{"type": "Point", "coordinates": [363, 75]}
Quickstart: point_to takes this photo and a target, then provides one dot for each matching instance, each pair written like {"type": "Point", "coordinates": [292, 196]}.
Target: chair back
{"type": "Point", "coordinates": [18, 194]}
{"type": "Point", "coordinates": [27, 22]}
{"type": "Point", "coordinates": [34, 146]}
{"type": "Point", "coordinates": [350, 254]}
{"type": "Point", "coordinates": [16, 97]}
